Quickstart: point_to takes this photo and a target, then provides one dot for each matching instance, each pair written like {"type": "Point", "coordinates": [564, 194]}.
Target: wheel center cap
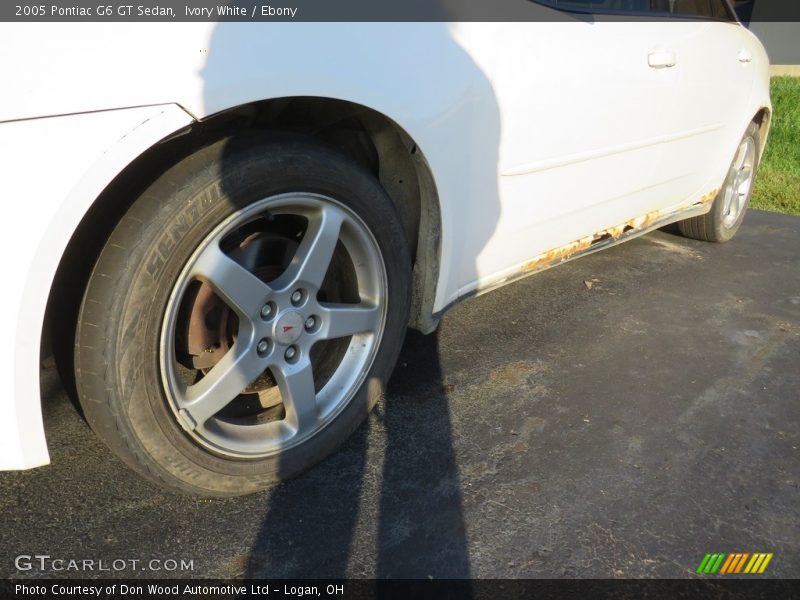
{"type": "Point", "coordinates": [288, 327]}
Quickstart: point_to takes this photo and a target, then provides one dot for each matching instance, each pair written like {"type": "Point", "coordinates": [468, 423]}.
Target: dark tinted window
{"type": "Point", "coordinates": [712, 9]}
{"type": "Point", "coordinates": [600, 6]}
{"type": "Point", "coordinates": [715, 9]}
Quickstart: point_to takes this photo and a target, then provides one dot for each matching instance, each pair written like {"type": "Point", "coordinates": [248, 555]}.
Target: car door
{"type": "Point", "coordinates": [594, 124]}
{"type": "Point", "coordinates": [708, 89]}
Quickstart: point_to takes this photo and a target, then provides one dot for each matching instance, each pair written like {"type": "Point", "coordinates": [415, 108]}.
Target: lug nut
{"type": "Point", "coordinates": [291, 352]}
{"type": "Point", "coordinates": [263, 346]}
{"type": "Point", "coordinates": [297, 297]}
{"type": "Point", "coordinates": [266, 311]}
{"type": "Point", "coordinates": [311, 322]}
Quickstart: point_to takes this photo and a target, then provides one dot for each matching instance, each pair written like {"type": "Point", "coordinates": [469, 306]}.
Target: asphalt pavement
{"type": "Point", "coordinates": [618, 416]}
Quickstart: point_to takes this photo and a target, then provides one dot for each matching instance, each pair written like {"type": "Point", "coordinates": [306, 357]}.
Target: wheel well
{"type": "Point", "coordinates": [367, 136]}
{"type": "Point", "coordinates": [762, 119]}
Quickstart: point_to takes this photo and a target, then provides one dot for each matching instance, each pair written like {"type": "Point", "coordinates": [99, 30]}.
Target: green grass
{"type": "Point", "coordinates": [778, 181]}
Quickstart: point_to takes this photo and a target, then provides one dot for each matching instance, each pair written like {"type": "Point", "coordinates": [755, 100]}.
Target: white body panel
{"type": "Point", "coordinates": [526, 128]}
{"type": "Point", "coordinates": [61, 165]}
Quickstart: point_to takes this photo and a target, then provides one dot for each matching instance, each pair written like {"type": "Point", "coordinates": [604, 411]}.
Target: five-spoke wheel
{"type": "Point", "coordinates": [739, 182]}
{"type": "Point", "coordinates": [244, 316]}
{"type": "Point", "coordinates": [278, 323]}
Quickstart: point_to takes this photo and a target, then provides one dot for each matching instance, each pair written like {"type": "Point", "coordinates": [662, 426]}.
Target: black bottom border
{"type": "Point", "coordinates": [399, 589]}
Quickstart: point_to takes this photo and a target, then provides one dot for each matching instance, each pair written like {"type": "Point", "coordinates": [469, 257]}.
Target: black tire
{"type": "Point", "coordinates": [713, 226]}
{"type": "Point", "coordinates": [117, 371]}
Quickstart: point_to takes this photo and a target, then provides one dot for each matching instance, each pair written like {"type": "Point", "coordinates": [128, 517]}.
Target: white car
{"type": "Point", "coordinates": [221, 231]}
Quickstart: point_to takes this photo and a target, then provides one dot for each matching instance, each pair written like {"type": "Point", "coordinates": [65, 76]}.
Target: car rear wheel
{"type": "Point", "coordinates": [722, 222]}
{"type": "Point", "coordinates": [244, 315]}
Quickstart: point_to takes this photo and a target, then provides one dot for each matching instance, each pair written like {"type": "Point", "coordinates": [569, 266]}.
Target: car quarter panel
{"type": "Point", "coordinates": [418, 75]}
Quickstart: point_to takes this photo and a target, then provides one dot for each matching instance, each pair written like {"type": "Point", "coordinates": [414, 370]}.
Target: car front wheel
{"type": "Point", "coordinates": [244, 315]}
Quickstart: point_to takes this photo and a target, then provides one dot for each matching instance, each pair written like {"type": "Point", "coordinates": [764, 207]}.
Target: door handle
{"type": "Point", "coordinates": [661, 59]}
{"type": "Point", "coordinates": [744, 56]}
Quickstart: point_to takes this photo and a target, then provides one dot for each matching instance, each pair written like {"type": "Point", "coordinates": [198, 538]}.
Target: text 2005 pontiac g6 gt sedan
{"type": "Point", "coordinates": [222, 231]}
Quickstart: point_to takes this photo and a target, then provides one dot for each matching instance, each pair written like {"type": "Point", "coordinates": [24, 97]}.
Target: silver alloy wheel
{"type": "Point", "coordinates": [739, 182]}
{"type": "Point", "coordinates": [278, 324]}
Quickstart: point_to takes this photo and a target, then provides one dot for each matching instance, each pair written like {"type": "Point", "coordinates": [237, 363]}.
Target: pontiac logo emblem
{"type": "Point", "coordinates": [288, 327]}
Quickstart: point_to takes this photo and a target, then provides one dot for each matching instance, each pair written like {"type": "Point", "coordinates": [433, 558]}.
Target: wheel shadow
{"type": "Point", "coordinates": [394, 487]}
{"type": "Point", "coordinates": [392, 493]}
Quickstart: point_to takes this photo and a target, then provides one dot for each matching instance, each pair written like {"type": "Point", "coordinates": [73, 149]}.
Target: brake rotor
{"type": "Point", "coordinates": [211, 325]}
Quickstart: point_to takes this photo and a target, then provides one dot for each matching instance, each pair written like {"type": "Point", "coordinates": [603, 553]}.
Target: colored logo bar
{"type": "Point", "coordinates": [737, 562]}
